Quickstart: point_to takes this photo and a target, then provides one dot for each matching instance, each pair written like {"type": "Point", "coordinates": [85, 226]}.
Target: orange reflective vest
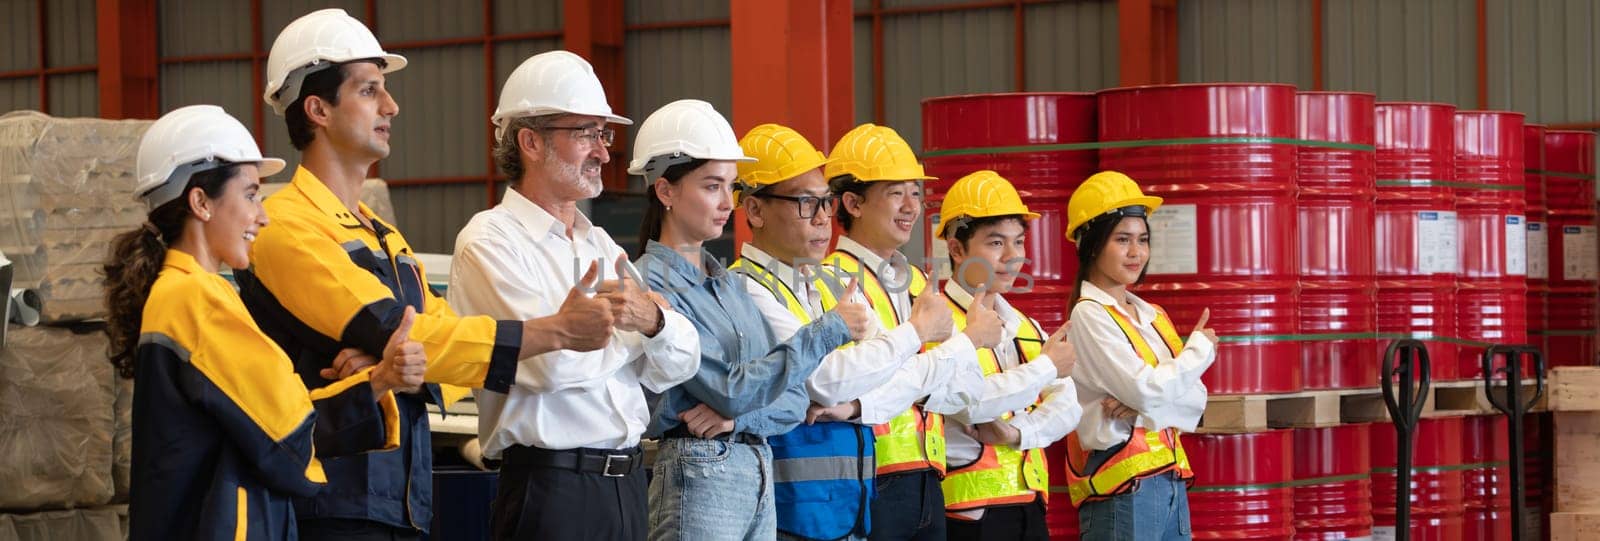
{"type": "Point", "coordinates": [1002, 474]}
{"type": "Point", "coordinates": [913, 440]}
{"type": "Point", "coordinates": [1146, 453]}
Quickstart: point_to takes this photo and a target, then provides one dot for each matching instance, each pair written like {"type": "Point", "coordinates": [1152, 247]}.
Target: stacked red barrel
{"type": "Point", "coordinates": [1574, 291]}
{"type": "Point", "coordinates": [1221, 156]}
{"type": "Point", "coordinates": [1336, 164]}
{"type": "Point", "coordinates": [1538, 234]}
{"type": "Point", "coordinates": [1437, 493]}
{"type": "Point", "coordinates": [1333, 485]}
{"type": "Point", "coordinates": [1487, 479]}
{"type": "Point", "coordinates": [1492, 289]}
{"type": "Point", "coordinates": [1020, 136]}
{"type": "Point", "coordinates": [1242, 485]}
{"type": "Point", "coordinates": [1017, 135]}
{"type": "Point", "coordinates": [1417, 249]}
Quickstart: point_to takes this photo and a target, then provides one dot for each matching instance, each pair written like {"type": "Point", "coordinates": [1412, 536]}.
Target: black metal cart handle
{"type": "Point", "coordinates": [1406, 360]}
{"type": "Point", "coordinates": [1511, 404]}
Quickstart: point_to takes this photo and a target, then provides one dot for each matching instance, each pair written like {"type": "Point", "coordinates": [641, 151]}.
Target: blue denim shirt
{"type": "Point", "coordinates": [743, 375]}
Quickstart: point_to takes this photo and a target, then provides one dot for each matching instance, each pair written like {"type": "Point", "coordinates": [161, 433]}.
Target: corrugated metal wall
{"type": "Point", "coordinates": [1071, 46]}
{"type": "Point", "coordinates": [1245, 40]}
{"type": "Point", "coordinates": [1559, 84]}
{"type": "Point", "coordinates": [1403, 49]}
{"type": "Point", "coordinates": [66, 44]}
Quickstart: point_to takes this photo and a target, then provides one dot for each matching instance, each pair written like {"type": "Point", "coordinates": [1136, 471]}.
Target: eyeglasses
{"type": "Point", "coordinates": [590, 135]}
{"type": "Point", "coordinates": [809, 205]}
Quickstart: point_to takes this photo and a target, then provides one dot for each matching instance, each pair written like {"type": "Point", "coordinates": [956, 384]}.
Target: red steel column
{"type": "Point", "coordinates": [594, 30]}
{"type": "Point", "coordinates": [126, 31]}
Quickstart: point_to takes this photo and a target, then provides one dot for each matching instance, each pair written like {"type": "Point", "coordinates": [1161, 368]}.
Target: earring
{"type": "Point", "coordinates": [669, 208]}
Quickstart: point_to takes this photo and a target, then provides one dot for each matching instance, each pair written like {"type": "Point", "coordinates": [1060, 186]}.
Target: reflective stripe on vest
{"type": "Point", "coordinates": [823, 472]}
{"type": "Point", "coordinates": [1002, 474]}
{"type": "Point", "coordinates": [914, 439]}
{"type": "Point", "coordinates": [1147, 453]}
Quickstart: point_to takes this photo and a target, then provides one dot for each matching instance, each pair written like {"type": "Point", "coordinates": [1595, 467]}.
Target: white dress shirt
{"type": "Point", "coordinates": [516, 261]}
{"type": "Point", "coordinates": [847, 373]}
{"type": "Point", "coordinates": [1169, 395]}
{"type": "Point", "coordinates": [945, 379]}
{"type": "Point", "coordinates": [1017, 386]}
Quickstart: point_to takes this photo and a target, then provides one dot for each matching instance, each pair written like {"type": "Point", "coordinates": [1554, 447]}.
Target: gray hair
{"type": "Point", "coordinates": [507, 154]}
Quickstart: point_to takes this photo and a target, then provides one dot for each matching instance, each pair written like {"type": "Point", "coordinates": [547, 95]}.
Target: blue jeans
{"type": "Point", "coordinates": [909, 507]}
{"type": "Point", "coordinates": [1157, 511]}
{"type": "Point", "coordinates": [712, 490]}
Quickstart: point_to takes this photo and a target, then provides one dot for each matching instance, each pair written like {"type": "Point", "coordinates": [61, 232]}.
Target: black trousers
{"type": "Point", "coordinates": [909, 506]}
{"type": "Point", "coordinates": [1024, 521]}
{"type": "Point", "coordinates": [339, 529]}
{"type": "Point", "coordinates": [534, 502]}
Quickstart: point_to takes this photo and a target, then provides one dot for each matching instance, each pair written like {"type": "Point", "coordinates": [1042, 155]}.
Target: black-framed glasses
{"type": "Point", "coordinates": [809, 205]}
{"type": "Point", "coordinates": [589, 134]}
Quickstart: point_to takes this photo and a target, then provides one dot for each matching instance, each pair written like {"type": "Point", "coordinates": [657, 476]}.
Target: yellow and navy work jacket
{"type": "Point", "coordinates": [913, 440]}
{"type": "Point", "coordinates": [1147, 453]}
{"type": "Point", "coordinates": [1002, 474]}
{"type": "Point", "coordinates": [822, 473]}
{"type": "Point", "coordinates": [222, 426]}
{"type": "Point", "coordinates": [321, 281]}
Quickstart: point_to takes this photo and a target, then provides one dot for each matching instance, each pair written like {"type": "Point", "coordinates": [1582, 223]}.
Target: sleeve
{"type": "Point", "coordinates": [1055, 416]}
{"type": "Point", "coordinates": [734, 388]}
{"type": "Point", "coordinates": [947, 376]}
{"type": "Point", "coordinates": [1109, 364]}
{"type": "Point", "coordinates": [1010, 390]}
{"type": "Point", "coordinates": [846, 373]}
{"type": "Point", "coordinates": [313, 278]}
{"type": "Point", "coordinates": [671, 356]}
{"type": "Point", "coordinates": [777, 418]}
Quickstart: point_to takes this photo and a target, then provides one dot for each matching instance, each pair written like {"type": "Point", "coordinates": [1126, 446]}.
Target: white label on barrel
{"type": "Point", "coordinates": [1174, 240]}
{"type": "Point", "coordinates": [1538, 251]}
{"type": "Point", "coordinates": [1436, 242]}
{"type": "Point", "coordinates": [1578, 253]}
{"type": "Point", "coordinates": [1516, 247]}
{"type": "Point", "coordinates": [1383, 533]}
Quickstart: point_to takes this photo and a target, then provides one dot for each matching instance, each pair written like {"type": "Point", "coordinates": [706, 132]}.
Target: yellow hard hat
{"type": "Point", "coordinates": [981, 195]}
{"type": "Point", "coordinates": [1104, 192]}
{"type": "Point", "coordinates": [781, 154]}
{"type": "Point", "coordinates": [874, 153]}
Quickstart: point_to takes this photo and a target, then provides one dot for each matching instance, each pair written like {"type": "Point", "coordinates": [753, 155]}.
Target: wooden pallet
{"type": "Point", "coordinates": [1334, 407]}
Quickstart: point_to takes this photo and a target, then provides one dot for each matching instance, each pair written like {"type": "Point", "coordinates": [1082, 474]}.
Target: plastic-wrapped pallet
{"type": "Point", "coordinates": [374, 193]}
{"type": "Point", "coordinates": [56, 433]}
{"type": "Point", "coordinates": [122, 440]}
{"type": "Point", "coordinates": [66, 189]}
{"type": "Point", "coordinates": [99, 524]}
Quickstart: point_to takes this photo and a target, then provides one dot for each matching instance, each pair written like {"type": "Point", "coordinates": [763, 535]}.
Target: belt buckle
{"type": "Point", "coordinates": [625, 459]}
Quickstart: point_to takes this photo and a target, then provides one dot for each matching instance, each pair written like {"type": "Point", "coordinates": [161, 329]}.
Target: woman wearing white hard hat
{"type": "Point", "coordinates": [713, 474]}
{"type": "Point", "coordinates": [222, 426]}
{"type": "Point", "coordinates": [1126, 468]}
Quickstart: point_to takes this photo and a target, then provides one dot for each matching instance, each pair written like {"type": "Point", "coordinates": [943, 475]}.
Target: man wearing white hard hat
{"type": "Point", "coordinates": [567, 432]}
{"type": "Point", "coordinates": [331, 275]}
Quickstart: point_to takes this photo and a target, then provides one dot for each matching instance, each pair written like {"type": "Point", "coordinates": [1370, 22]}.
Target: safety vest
{"type": "Point", "coordinates": [914, 439]}
{"type": "Point", "coordinates": [1001, 475]}
{"type": "Point", "coordinates": [1146, 453]}
{"type": "Point", "coordinates": [823, 472]}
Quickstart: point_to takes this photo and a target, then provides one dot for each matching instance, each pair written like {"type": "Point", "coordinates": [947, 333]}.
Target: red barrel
{"type": "Point", "coordinates": [1241, 485]}
{"type": "Point", "coordinates": [1333, 483]}
{"type": "Point", "coordinates": [1020, 136]}
{"type": "Point", "coordinates": [1538, 456]}
{"type": "Point", "coordinates": [1538, 235]}
{"type": "Point", "coordinates": [1336, 208]}
{"type": "Point", "coordinates": [1574, 291]}
{"type": "Point", "coordinates": [1416, 228]}
{"type": "Point", "coordinates": [1487, 479]}
{"type": "Point", "coordinates": [1436, 481]}
{"type": "Point", "coordinates": [1492, 289]}
{"type": "Point", "coordinates": [1223, 157]}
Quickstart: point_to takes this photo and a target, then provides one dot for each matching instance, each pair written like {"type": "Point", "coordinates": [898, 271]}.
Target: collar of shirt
{"type": "Point", "coordinates": [797, 280]}
{"type": "Point", "coordinates": [181, 261]}
{"type": "Point", "coordinates": [679, 269]}
{"type": "Point", "coordinates": [870, 260]}
{"type": "Point", "coordinates": [1009, 318]}
{"type": "Point", "coordinates": [317, 193]}
{"type": "Point", "coordinates": [1145, 312]}
{"type": "Point", "coordinates": [536, 219]}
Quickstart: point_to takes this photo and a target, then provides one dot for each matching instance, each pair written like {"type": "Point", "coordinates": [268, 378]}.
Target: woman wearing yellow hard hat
{"type": "Point", "coordinates": [997, 482]}
{"type": "Point", "coordinates": [1126, 468]}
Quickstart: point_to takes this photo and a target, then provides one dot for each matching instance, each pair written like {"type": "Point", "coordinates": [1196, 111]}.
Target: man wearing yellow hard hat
{"type": "Point", "coordinates": [1127, 473]}
{"type": "Point", "coordinates": [878, 181]}
{"type": "Point", "coordinates": [997, 482]}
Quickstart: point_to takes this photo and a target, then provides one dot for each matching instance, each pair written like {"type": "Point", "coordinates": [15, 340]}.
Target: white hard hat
{"type": "Point", "coordinates": [318, 40]}
{"type": "Point", "coordinates": [552, 83]}
{"type": "Point", "coordinates": [681, 131]}
{"type": "Point", "coordinates": [189, 140]}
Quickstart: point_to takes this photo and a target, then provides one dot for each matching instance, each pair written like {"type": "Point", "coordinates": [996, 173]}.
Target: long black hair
{"type": "Point", "coordinates": [1092, 240]}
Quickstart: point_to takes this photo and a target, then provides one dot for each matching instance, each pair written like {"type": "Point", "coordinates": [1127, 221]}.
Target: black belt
{"type": "Point", "coordinates": [607, 462]}
{"type": "Point", "coordinates": [746, 438]}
